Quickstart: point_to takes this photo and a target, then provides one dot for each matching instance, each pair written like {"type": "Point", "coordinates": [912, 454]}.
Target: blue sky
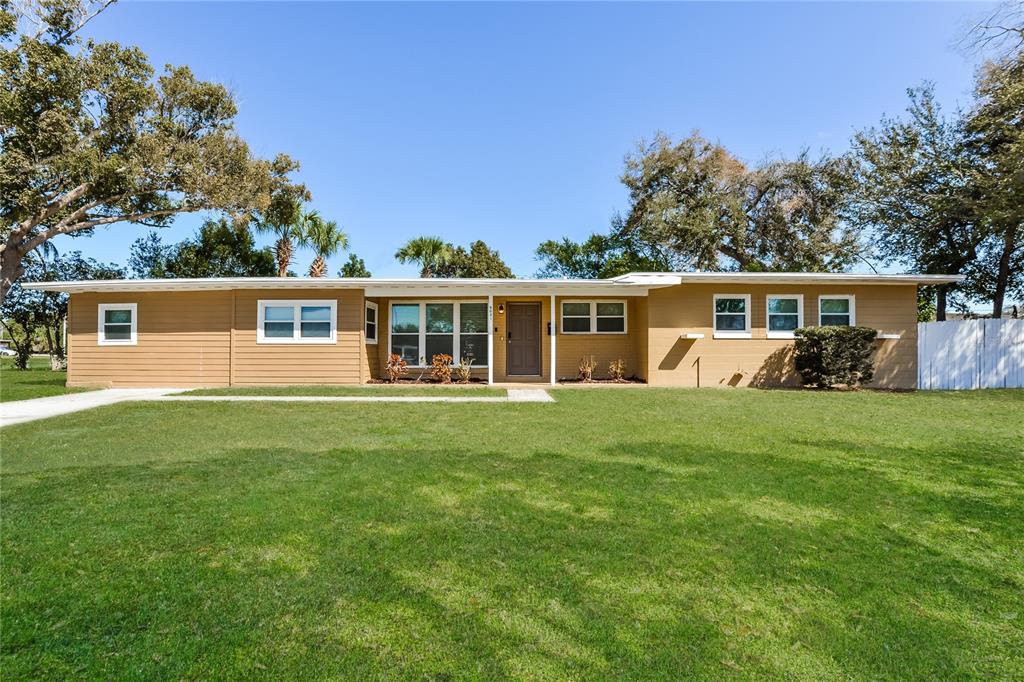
{"type": "Point", "coordinates": [509, 122]}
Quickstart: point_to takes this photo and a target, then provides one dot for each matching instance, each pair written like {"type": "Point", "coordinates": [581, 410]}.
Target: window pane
{"type": "Point", "coordinates": [611, 324]}
{"type": "Point", "coordinates": [782, 323]}
{"type": "Point", "coordinates": [278, 313]}
{"type": "Point", "coordinates": [278, 330]}
{"type": "Point", "coordinates": [440, 318]}
{"type": "Point", "coordinates": [835, 320]}
{"type": "Point", "coordinates": [611, 309]}
{"type": "Point", "coordinates": [576, 309]}
{"type": "Point", "coordinates": [782, 305]}
{"type": "Point", "coordinates": [730, 305]}
{"type": "Point", "coordinates": [117, 332]}
{"type": "Point", "coordinates": [407, 346]}
{"type": "Point", "coordinates": [438, 344]}
{"type": "Point", "coordinates": [316, 313]}
{"type": "Point", "coordinates": [117, 316]}
{"type": "Point", "coordinates": [576, 324]}
{"type": "Point", "coordinates": [371, 331]}
{"type": "Point", "coordinates": [473, 346]}
{"type": "Point", "coordinates": [316, 330]}
{"type": "Point", "coordinates": [473, 318]}
{"type": "Point", "coordinates": [371, 314]}
{"type": "Point", "coordinates": [731, 323]}
{"type": "Point", "coordinates": [405, 318]}
{"type": "Point", "coordinates": [835, 305]}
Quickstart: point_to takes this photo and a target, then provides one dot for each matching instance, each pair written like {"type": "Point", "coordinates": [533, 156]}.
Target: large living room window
{"type": "Point", "coordinates": [593, 317]}
{"type": "Point", "coordinates": [732, 316]}
{"type": "Point", "coordinates": [297, 322]}
{"type": "Point", "coordinates": [117, 324]}
{"type": "Point", "coordinates": [419, 331]}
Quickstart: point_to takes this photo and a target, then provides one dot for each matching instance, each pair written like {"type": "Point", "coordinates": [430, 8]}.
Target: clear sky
{"type": "Point", "coordinates": [509, 122]}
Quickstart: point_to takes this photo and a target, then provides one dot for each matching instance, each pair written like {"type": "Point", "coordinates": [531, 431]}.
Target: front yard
{"type": "Point", "coordinates": [38, 381]}
{"type": "Point", "coordinates": [634, 533]}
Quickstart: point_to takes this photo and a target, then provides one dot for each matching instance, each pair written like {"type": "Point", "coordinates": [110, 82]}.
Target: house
{"type": "Point", "coordinates": [671, 329]}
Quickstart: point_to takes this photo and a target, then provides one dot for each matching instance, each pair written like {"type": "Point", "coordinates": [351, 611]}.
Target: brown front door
{"type": "Point", "coordinates": [523, 339]}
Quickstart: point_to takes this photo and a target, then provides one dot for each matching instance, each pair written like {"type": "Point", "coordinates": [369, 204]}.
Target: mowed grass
{"type": "Point", "coordinates": [616, 534]}
{"type": "Point", "coordinates": [381, 390]}
{"type": "Point", "coordinates": [38, 381]}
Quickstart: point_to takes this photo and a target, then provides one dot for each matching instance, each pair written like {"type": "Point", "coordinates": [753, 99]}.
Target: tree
{"type": "Point", "coordinates": [479, 261]}
{"type": "Point", "coordinates": [602, 256]}
{"type": "Point", "coordinates": [90, 138]}
{"type": "Point", "coordinates": [28, 314]}
{"type": "Point", "coordinates": [353, 267]}
{"type": "Point", "coordinates": [218, 249]}
{"type": "Point", "coordinates": [697, 201]}
{"type": "Point", "coordinates": [148, 257]}
{"type": "Point", "coordinates": [431, 253]}
{"type": "Point", "coordinates": [326, 239]}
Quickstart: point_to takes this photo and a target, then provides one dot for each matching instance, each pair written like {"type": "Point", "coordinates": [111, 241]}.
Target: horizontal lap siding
{"type": "Point", "coordinates": [183, 340]}
{"type": "Point", "coordinates": [761, 361]}
{"type": "Point", "coordinates": [269, 364]}
{"type": "Point", "coordinates": [605, 348]}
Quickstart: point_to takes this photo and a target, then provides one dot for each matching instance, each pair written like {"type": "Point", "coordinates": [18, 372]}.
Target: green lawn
{"type": "Point", "coordinates": [372, 390]}
{"type": "Point", "coordinates": [616, 534]}
{"type": "Point", "coordinates": [38, 381]}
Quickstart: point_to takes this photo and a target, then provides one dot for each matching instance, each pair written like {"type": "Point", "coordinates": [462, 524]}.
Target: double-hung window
{"type": "Point", "coordinates": [593, 317]}
{"type": "Point", "coordinates": [371, 322]}
{"type": "Point", "coordinates": [732, 316]}
{"type": "Point", "coordinates": [297, 321]}
{"type": "Point", "coordinates": [785, 315]}
{"type": "Point", "coordinates": [419, 331]}
{"type": "Point", "coordinates": [836, 311]}
{"type": "Point", "coordinates": [118, 324]}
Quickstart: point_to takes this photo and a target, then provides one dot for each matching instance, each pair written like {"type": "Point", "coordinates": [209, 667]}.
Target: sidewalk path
{"type": "Point", "coordinates": [20, 411]}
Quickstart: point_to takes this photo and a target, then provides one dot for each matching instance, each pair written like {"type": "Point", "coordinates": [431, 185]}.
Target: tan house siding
{"type": "Point", "coordinates": [761, 361]}
{"type": "Point", "coordinates": [269, 364]}
{"type": "Point", "coordinates": [605, 348]}
{"type": "Point", "coordinates": [183, 340]}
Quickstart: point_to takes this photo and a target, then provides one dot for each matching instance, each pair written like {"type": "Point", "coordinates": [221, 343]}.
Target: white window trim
{"type": "Point", "coordinates": [849, 297]}
{"type": "Point", "coordinates": [370, 305]}
{"type": "Point", "coordinates": [297, 305]}
{"type": "Point", "coordinates": [103, 308]}
{"type": "Point", "coordinates": [593, 315]}
{"type": "Point", "coordinates": [767, 315]}
{"type": "Point", "coordinates": [745, 334]}
{"type": "Point", "coordinates": [456, 327]}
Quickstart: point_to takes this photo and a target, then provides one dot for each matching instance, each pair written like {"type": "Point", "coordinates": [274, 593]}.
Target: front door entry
{"type": "Point", "coordinates": [523, 339]}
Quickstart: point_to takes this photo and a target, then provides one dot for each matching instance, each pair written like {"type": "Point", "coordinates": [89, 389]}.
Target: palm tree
{"type": "Point", "coordinates": [326, 239]}
{"type": "Point", "coordinates": [429, 252]}
{"type": "Point", "coordinates": [287, 221]}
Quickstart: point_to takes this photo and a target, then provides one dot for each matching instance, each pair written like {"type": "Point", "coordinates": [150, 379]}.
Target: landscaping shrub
{"type": "Point", "coordinates": [462, 370]}
{"type": "Point", "coordinates": [588, 363]}
{"type": "Point", "coordinates": [441, 368]}
{"type": "Point", "coordinates": [833, 356]}
{"type": "Point", "coordinates": [617, 370]}
{"type": "Point", "coordinates": [395, 368]}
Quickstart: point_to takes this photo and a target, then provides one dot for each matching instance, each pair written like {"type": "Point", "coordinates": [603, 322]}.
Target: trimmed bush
{"type": "Point", "coordinates": [834, 356]}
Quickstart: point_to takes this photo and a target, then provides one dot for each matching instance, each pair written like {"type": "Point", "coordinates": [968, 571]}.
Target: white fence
{"type": "Point", "coordinates": [966, 354]}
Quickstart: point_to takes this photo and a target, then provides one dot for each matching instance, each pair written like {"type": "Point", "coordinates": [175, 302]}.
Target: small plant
{"type": "Point", "coordinates": [617, 370]}
{"type": "Point", "coordinates": [395, 368]}
{"type": "Point", "coordinates": [831, 356]}
{"type": "Point", "coordinates": [462, 370]}
{"type": "Point", "coordinates": [441, 368]}
{"type": "Point", "coordinates": [588, 363]}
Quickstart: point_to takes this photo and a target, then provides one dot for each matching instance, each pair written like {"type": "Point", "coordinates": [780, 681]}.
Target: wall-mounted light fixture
{"type": "Point", "coordinates": [501, 308]}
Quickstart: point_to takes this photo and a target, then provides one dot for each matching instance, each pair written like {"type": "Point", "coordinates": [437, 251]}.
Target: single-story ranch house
{"type": "Point", "coordinates": [671, 329]}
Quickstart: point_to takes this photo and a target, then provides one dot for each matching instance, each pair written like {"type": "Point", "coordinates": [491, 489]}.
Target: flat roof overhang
{"type": "Point", "coordinates": [662, 279]}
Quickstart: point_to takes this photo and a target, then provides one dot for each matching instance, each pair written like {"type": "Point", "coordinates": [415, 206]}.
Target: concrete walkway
{"type": "Point", "coordinates": [20, 411]}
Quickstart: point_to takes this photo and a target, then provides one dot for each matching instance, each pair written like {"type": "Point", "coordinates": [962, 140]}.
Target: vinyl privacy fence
{"type": "Point", "coordinates": [968, 354]}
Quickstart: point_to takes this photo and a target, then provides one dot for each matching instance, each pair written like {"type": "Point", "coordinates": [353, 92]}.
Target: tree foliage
{"type": "Point", "coordinates": [479, 261]}
{"type": "Point", "coordinates": [91, 137]}
{"type": "Point", "coordinates": [835, 356]}
{"type": "Point", "coordinates": [603, 256]}
{"type": "Point", "coordinates": [353, 267]}
{"type": "Point", "coordinates": [326, 239]}
{"type": "Point", "coordinates": [219, 249]}
{"type": "Point", "coordinates": [430, 253]}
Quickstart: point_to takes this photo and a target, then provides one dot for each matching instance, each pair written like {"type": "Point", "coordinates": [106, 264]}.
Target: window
{"type": "Point", "coordinates": [785, 314]}
{"type": "Point", "coordinates": [371, 322]}
{"type": "Point", "coordinates": [593, 317]}
{"type": "Point", "coordinates": [836, 311]}
{"type": "Point", "coordinates": [732, 316]}
{"type": "Point", "coordinates": [297, 322]}
{"type": "Point", "coordinates": [419, 331]}
{"type": "Point", "coordinates": [117, 324]}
